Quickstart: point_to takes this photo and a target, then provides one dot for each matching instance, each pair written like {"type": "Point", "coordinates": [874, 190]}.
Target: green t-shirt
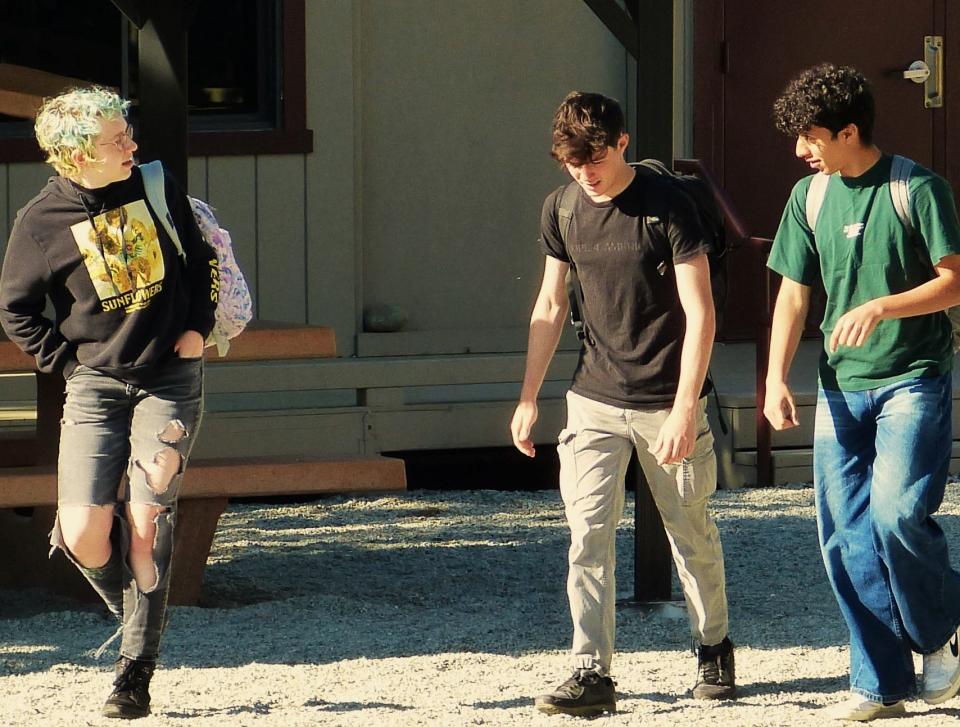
{"type": "Point", "coordinates": [862, 251]}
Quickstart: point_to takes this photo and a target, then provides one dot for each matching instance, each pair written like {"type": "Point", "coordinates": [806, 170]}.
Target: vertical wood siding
{"type": "Point", "coordinates": [429, 168]}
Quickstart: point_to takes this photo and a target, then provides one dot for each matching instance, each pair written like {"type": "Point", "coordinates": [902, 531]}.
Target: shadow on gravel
{"type": "Point", "coordinates": [264, 708]}
{"type": "Point", "coordinates": [335, 707]}
{"type": "Point", "coordinates": [427, 579]}
{"type": "Point", "coordinates": [824, 685]}
{"type": "Point", "coordinates": [257, 708]}
{"type": "Point", "coordinates": [423, 573]}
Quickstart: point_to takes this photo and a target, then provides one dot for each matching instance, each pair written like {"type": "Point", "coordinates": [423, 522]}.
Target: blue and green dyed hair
{"type": "Point", "coordinates": [71, 121]}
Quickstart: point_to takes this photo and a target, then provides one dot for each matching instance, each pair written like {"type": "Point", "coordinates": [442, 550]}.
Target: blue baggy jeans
{"type": "Point", "coordinates": [881, 460]}
{"type": "Point", "coordinates": [113, 432]}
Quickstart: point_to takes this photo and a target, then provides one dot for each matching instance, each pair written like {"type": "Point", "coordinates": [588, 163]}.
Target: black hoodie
{"type": "Point", "coordinates": [117, 308]}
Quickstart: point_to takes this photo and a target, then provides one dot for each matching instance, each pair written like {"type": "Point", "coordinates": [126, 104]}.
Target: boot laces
{"type": "Point", "coordinates": [710, 670]}
{"type": "Point", "coordinates": [134, 675]}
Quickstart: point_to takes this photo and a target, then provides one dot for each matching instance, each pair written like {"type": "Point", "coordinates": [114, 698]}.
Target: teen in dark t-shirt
{"type": "Point", "coordinates": [625, 250]}
{"type": "Point", "coordinates": [640, 256]}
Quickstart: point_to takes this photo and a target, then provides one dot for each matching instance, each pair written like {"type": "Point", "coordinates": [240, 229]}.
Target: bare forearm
{"type": "Point", "coordinates": [789, 315]}
{"type": "Point", "coordinates": [695, 358]}
{"type": "Point", "coordinates": [546, 325]}
{"type": "Point", "coordinates": [933, 296]}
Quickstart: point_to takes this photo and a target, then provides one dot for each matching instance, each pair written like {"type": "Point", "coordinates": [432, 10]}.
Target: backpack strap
{"type": "Point", "coordinates": [900, 171]}
{"type": "Point", "coordinates": [155, 189]}
{"type": "Point", "coordinates": [815, 194]}
{"type": "Point", "coordinates": [565, 202]}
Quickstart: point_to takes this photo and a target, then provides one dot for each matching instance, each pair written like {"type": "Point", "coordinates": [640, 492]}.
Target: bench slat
{"type": "Point", "coordinates": [247, 477]}
{"type": "Point", "coordinates": [261, 341]}
{"type": "Point", "coordinates": [268, 341]}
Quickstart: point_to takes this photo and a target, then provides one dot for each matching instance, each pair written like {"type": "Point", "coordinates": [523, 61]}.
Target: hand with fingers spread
{"type": "Point", "coordinates": [854, 327]}
{"type": "Point", "coordinates": [676, 438]}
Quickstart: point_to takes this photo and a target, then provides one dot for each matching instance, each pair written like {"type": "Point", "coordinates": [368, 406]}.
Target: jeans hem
{"type": "Point", "coordinates": [880, 698]}
{"type": "Point", "coordinates": [946, 640]}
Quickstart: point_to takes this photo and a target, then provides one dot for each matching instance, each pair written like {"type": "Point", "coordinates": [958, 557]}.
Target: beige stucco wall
{"type": "Point", "coordinates": [468, 188]}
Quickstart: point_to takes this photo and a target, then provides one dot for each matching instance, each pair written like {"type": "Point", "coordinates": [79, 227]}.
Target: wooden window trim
{"type": "Point", "coordinates": [293, 136]}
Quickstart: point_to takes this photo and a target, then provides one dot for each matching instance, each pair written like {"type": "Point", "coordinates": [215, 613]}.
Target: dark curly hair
{"type": "Point", "coordinates": [829, 96]}
{"type": "Point", "coordinates": [584, 125]}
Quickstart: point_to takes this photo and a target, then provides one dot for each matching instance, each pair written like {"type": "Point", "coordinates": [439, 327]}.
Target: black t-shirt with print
{"type": "Point", "coordinates": [624, 251]}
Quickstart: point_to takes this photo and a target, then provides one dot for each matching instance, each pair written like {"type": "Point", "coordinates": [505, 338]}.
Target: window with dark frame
{"type": "Point", "coordinates": [237, 91]}
{"type": "Point", "coordinates": [234, 68]}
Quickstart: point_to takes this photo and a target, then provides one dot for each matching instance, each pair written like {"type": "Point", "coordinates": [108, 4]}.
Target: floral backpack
{"type": "Point", "coordinates": [234, 304]}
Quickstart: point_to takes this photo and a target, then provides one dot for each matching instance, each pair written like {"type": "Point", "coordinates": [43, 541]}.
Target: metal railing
{"type": "Point", "coordinates": [736, 225]}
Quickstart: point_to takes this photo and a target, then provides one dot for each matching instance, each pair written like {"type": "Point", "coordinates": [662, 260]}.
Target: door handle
{"type": "Point", "coordinates": [918, 72]}
{"type": "Point", "coordinates": [929, 71]}
{"type": "Point", "coordinates": [933, 84]}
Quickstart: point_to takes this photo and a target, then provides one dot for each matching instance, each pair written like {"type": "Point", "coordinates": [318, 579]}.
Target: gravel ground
{"type": "Point", "coordinates": [444, 608]}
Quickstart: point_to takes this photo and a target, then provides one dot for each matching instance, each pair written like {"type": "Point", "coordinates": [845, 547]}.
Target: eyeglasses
{"type": "Point", "coordinates": [123, 139]}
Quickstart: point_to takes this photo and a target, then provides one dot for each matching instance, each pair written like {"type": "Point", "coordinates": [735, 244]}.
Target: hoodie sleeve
{"type": "Point", "coordinates": [24, 282]}
{"type": "Point", "coordinates": [203, 272]}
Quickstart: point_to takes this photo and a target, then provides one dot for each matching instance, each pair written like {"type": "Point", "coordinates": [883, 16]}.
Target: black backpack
{"type": "Point", "coordinates": [711, 219]}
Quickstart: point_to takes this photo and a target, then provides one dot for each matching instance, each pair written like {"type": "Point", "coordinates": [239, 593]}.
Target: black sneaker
{"type": "Point", "coordinates": [716, 674]}
{"type": "Point", "coordinates": [130, 698]}
{"type": "Point", "coordinates": [585, 694]}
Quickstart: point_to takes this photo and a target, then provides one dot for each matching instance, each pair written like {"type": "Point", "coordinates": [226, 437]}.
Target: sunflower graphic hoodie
{"type": "Point", "coordinates": [120, 293]}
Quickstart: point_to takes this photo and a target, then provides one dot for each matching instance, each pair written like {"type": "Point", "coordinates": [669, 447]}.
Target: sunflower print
{"type": "Point", "coordinates": [121, 253]}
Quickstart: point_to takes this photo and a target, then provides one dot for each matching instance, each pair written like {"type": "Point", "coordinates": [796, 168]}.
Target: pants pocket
{"type": "Point", "coordinates": [697, 474]}
{"type": "Point", "coordinates": [566, 453]}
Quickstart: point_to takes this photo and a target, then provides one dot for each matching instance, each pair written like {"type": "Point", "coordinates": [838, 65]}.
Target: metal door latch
{"type": "Point", "coordinates": [929, 71]}
{"type": "Point", "coordinates": [918, 72]}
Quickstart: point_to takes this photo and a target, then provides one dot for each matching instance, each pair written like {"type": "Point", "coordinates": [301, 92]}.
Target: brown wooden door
{"type": "Point", "coordinates": [747, 51]}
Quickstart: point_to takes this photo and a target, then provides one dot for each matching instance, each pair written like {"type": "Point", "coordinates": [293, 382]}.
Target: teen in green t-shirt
{"type": "Point", "coordinates": [883, 432]}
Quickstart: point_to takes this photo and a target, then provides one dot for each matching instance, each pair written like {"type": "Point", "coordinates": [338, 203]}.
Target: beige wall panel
{"type": "Point", "coordinates": [6, 216]}
{"type": "Point", "coordinates": [312, 433]}
{"type": "Point", "coordinates": [455, 144]}
{"type": "Point", "coordinates": [683, 79]}
{"type": "Point", "coordinates": [25, 181]}
{"type": "Point", "coordinates": [332, 194]}
{"type": "Point", "coordinates": [19, 185]}
{"type": "Point", "coordinates": [232, 191]}
{"type": "Point", "coordinates": [281, 243]}
{"type": "Point", "coordinates": [197, 177]}
{"type": "Point", "coordinates": [362, 373]}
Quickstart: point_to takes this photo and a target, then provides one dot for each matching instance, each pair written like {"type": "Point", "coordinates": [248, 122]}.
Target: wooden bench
{"type": "Point", "coordinates": [28, 490]}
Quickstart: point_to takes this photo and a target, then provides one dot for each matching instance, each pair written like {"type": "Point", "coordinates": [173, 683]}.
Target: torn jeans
{"type": "Point", "coordinates": [146, 431]}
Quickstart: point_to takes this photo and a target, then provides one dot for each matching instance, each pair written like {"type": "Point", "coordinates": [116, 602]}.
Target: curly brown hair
{"type": "Point", "coordinates": [829, 96]}
{"type": "Point", "coordinates": [584, 125]}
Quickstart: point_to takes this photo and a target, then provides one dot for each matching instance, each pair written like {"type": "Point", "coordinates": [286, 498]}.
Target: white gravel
{"type": "Point", "coordinates": [443, 608]}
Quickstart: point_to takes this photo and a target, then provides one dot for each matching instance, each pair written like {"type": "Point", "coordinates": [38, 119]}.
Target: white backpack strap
{"type": "Point", "coordinates": [815, 194]}
{"type": "Point", "coordinates": [900, 171]}
{"type": "Point", "coordinates": [155, 189]}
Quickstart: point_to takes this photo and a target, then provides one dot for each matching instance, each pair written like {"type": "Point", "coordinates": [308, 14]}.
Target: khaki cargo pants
{"type": "Point", "coordinates": [594, 450]}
